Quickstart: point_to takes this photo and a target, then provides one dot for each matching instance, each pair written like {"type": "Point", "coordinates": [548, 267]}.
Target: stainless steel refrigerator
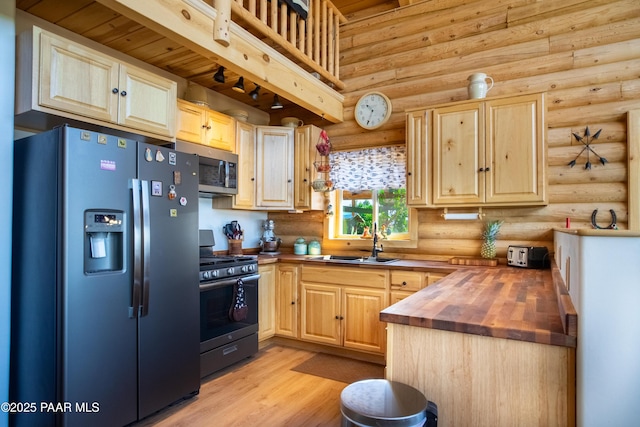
{"type": "Point", "coordinates": [105, 299]}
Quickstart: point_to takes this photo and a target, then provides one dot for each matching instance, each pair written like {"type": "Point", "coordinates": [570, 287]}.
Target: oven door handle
{"type": "Point", "coordinates": [227, 282]}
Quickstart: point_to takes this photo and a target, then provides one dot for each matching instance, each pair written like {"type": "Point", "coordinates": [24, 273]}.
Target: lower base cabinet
{"type": "Point", "coordinates": [286, 299]}
{"type": "Point", "coordinates": [341, 307]}
{"type": "Point", "coordinates": [266, 301]}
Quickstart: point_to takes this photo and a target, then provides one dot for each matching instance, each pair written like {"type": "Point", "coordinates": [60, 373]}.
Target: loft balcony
{"type": "Point", "coordinates": [267, 42]}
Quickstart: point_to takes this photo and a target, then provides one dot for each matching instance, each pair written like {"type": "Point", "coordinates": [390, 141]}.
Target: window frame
{"type": "Point", "coordinates": [354, 242]}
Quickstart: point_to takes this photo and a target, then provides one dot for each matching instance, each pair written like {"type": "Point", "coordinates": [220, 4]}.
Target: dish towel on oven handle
{"type": "Point", "coordinates": [239, 309]}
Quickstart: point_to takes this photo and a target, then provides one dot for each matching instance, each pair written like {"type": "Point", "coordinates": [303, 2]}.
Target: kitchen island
{"type": "Point", "coordinates": [491, 346]}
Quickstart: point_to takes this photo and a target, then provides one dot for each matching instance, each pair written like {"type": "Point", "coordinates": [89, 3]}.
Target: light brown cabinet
{"type": "Point", "coordinates": [61, 77]}
{"type": "Point", "coordinates": [287, 300]}
{"type": "Point", "coordinates": [418, 134]}
{"type": "Point", "coordinates": [341, 306]}
{"type": "Point", "coordinates": [405, 283]}
{"type": "Point", "coordinates": [207, 127]}
{"type": "Point", "coordinates": [305, 198]}
{"type": "Point", "coordinates": [246, 150]}
{"type": "Point", "coordinates": [267, 301]}
{"type": "Point", "coordinates": [274, 167]}
{"type": "Point", "coordinates": [488, 152]}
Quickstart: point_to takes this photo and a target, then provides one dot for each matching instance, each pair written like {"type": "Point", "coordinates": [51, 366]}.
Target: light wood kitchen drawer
{"type": "Point", "coordinates": [370, 278]}
{"type": "Point", "coordinates": [408, 280]}
{"type": "Point", "coordinates": [434, 277]}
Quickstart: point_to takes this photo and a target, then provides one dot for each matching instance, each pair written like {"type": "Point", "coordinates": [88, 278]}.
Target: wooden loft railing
{"type": "Point", "coordinates": [313, 42]}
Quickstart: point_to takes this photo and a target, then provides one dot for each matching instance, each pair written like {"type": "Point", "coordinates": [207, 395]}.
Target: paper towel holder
{"type": "Point", "coordinates": [462, 216]}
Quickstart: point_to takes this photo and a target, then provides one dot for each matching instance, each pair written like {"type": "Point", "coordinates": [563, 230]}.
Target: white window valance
{"type": "Point", "coordinates": [379, 168]}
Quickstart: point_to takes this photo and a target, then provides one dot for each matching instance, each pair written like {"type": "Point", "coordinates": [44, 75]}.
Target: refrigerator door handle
{"type": "Point", "coordinates": [146, 249]}
{"type": "Point", "coordinates": [137, 249]}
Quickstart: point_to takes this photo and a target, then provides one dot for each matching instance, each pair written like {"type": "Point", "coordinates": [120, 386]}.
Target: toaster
{"type": "Point", "coordinates": [528, 256]}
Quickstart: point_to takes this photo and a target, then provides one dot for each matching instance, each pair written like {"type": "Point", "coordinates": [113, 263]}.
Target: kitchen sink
{"type": "Point", "coordinates": [355, 259]}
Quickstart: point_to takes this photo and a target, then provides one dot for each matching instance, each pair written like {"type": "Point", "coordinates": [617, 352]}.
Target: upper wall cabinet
{"type": "Point", "coordinates": [489, 152]}
{"type": "Point", "coordinates": [64, 78]}
{"type": "Point", "coordinates": [305, 198]}
{"type": "Point", "coordinates": [206, 127]}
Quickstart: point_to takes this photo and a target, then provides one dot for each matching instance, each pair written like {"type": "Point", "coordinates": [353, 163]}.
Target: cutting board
{"type": "Point", "coordinates": [490, 262]}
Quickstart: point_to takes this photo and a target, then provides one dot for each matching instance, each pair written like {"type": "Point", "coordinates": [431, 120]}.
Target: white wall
{"type": "Point", "coordinates": [215, 219]}
{"type": "Point", "coordinates": [7, 47]}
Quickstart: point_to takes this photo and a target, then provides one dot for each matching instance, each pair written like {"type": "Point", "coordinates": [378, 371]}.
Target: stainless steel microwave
{"type": "Point", "coordinates": [218, 169]}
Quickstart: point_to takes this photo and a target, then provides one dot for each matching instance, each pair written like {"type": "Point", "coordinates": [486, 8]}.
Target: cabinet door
{"type": "Point", "coordinates": [147, 101]}
{"type": "Point", "coordinates": [362, 327]}
{"type": "Point", "coordinates": [419, 158]}
{"type": "Point", "coordinates": [220, 131]}
{"type": "Point", "coordinates": [515, 150]}
{"type": "Point", "coordinates": [320, 317]}
{"type": "Point", "coordinates": [274, 165]}
{"type": "Point", "coordinates": [190, 122]}
{"type": "Point", "coordinates": [267, 301]}
{"type": "Point", "coordinates": [458, 154]}
{"type": "Point", "coordinates": [287, 301]}
{"type": "Point", "coordinates": [246, 150]}
{"type": "Point", "coordinates": [76, 79]}
{"type": "Point", "coordinates": [304, 198]}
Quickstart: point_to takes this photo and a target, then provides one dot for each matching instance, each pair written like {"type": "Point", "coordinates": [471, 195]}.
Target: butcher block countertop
{"type": "Point", "coordinates": [501, 301]}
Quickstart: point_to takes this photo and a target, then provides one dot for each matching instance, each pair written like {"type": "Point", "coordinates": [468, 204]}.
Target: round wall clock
{"type": "Point", "coordinates": [372, 110]}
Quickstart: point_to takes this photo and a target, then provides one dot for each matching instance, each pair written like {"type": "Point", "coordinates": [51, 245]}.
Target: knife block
{"type": "Point", "coordinates": [235, 247]}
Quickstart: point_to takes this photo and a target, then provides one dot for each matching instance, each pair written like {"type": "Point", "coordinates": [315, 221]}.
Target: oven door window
{"type": "Point", "coordinates": [215, 306]}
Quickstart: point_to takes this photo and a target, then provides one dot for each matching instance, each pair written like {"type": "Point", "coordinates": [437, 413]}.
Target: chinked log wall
{"type": "Point", "coordinates": [585, 55]}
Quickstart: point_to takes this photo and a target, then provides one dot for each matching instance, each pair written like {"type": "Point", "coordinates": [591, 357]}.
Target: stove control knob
{"type": "Point", "coordinates": [230, 270]}
{"type": "Point", "coordinates": [206, 275]}
{"type": "Point", "coordinates": [214, 273]}
{"type": "Point", "coordinates": [245, 269]}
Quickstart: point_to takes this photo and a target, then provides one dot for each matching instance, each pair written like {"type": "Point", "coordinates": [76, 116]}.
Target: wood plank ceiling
{"type": "Point", "coordinates": [95, 21]}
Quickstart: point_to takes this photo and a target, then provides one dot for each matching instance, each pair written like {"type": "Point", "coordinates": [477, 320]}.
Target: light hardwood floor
{"type": "Point", "coordinates": [261, 391]}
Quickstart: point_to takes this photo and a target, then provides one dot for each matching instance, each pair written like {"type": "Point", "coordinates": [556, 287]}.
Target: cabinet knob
{"type": "Point", "coordinates": [204, 126]}
{"type": "Point", "coordinates": [487, 169]}
{"type": "Point", "coordinates": [293, 303]}
{"type": "Point", "coordinates": [409, 173]}
{"type": "Point", "coordinates": [337, 317]}
{"type": "Point", "coordinates": [481, 170]}
{"type": "Point", "coordinates": [115, 90]}
{"type": "Point", "coordinates": [253, 179]}
{"type": "Point", "coordinates": [288, 180]}
{"type": "Point", "coordinates": [404, 283]}
{"type": "Point", "coordinates": [123, 93]}
{"type": "Point", "coordinates": [304, 180]}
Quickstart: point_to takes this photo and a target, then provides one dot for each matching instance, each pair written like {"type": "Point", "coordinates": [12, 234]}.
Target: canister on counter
{"type": "Point", "coordinates": [314, 247]}
{"type": "Point", "coordinates": [300, 246]}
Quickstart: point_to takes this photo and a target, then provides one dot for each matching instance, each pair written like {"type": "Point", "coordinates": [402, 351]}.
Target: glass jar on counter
{"type": "Point", "coordinates": [314, 247]}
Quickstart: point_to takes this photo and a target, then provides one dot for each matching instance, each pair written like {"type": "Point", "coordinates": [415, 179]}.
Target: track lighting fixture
{"type": "Point", "coordinates": [219, 75]}
{"type": "Point", "coordinates": [276, 103]}
{"type": "Point", "coordinates": [239, 86]}
{"type": "Point", "coordinates": [254, 93]}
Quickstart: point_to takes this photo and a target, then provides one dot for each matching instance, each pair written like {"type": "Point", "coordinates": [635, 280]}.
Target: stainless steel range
{"type": "Point", "coordinates": [228, 307]}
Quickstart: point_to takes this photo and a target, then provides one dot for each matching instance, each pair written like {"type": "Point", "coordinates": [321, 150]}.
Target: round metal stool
{"type": "Point", "coordinates": [386, 403]}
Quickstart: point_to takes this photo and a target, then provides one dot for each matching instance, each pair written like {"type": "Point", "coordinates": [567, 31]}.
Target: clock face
{"type": "Point", "coordinates": [372, 110]}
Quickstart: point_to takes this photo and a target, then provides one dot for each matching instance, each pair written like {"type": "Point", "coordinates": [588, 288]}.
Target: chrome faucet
{"type": "Point", "coordinates": [376, 249]}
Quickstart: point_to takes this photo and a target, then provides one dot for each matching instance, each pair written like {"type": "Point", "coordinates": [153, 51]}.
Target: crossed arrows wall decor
{"type": "Point", "coordinates": [586, 140]}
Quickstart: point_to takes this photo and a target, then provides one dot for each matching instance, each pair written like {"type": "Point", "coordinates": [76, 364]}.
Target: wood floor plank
{"type": "Point", "coordinates": [262, 390]}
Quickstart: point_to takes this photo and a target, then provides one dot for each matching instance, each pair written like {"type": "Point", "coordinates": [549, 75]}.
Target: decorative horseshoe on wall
{"type": "Point", "coordinates": [611, 226]}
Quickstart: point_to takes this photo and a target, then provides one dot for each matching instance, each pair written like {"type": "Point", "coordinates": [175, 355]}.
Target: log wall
{"type": "Point", "coordinates": [585, 55]}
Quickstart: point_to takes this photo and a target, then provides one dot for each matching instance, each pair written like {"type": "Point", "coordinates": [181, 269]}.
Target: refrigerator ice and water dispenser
{"type": "Point", "coordinates": [103, 242]}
